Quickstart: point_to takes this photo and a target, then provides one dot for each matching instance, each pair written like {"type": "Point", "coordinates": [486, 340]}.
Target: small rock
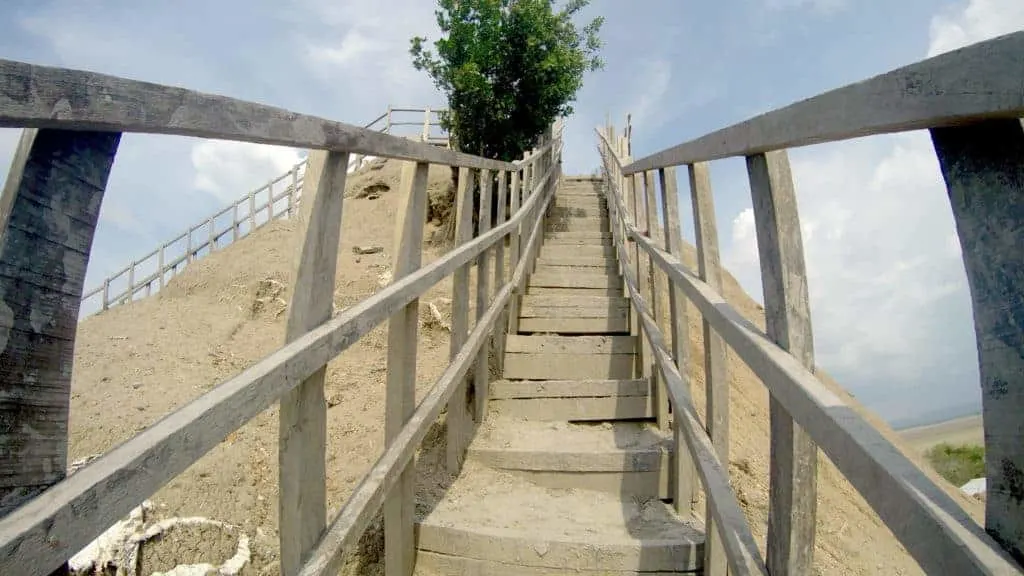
{"type": "Point", "coordinates": [136, 385]}
{"type": "Point", "coordinates": [372, 196]}
{"type": "Point", "coordinates": [367, 249]}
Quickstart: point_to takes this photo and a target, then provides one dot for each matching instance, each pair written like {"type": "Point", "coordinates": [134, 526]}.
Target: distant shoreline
{"type": "Point", "coordinates": [962, 430]}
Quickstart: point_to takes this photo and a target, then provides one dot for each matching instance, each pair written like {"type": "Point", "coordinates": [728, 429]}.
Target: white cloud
{"type": "Point", "coordinates": [978, 20]}
{"type": "Point", "coordinates": [654, 79]}
{"type": "Point", "coordinates": [229, 170]}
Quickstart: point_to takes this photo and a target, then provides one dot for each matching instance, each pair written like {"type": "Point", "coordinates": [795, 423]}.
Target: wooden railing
{"type": "Point", "coordinates": [74, 120]}
{"type": "Point", "coordinates": [249, 213]}
{"type": "Point", "coordinates": [970, 100]}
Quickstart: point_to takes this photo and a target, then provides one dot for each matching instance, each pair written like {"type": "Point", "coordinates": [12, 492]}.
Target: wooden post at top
{"type": "Point", "coordinates": [685, 474]}
{"type": "Point", "coordinates": [49, 209]}
{"type": "Point", "coordinates": [401, 380]}
{"type": "Point", "coordinates": [983, 167]}
{"type": "Point", "coordinates": [303, 417]}
{"type": "Point", "coordinates": [482, 378]}
{"type": "Point", "coordinates": [458, 416]}
{"type": "Point", "coordinates": [513, 257]}
{"type": "Point", "coordinates": [792, 507]}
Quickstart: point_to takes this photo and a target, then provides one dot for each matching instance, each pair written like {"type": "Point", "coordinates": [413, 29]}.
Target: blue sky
{"type": "Point", "coordinates": [889, 297]}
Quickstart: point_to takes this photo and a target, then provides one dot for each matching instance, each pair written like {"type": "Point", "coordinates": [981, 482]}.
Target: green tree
{"type": "Point", "coordinates": [509, 68]}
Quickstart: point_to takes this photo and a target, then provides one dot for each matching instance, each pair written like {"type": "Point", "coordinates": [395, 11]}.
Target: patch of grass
{"type": "Point", "coordinates": [958, 464]}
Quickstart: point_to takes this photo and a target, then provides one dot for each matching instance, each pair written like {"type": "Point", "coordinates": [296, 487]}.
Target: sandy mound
{"type": "Point", "coordinates": [136, 363]}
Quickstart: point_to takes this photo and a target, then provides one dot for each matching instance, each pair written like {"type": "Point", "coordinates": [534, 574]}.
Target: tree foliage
{"type": "Point", "coordinates": [509, 68]}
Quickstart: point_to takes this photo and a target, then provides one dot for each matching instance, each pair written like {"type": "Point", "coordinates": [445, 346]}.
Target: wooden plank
{"type": "Point", "coordinates": [683, 473]}
{"type": "Point", "coordinates": [926, 94]}
{"type": "Point", "coordinates": [90, 101]}
{"type": "Point", "coordinates": [571, 345]}
{"type": "Point", "coordinates": [366, 499]}
{"type": "Point", "coordinates": [612, 325]}
{"type": "Point", "coordinates": [716, 381]}
{"type": "Point", "coordinates": [302, 428]}
{"type": "Point", "coordinates": [568, 388]}
{"type": "Point", "coordinates": [458, 415]}
{"type": "Point", "coordinates": [561, 251]}
{"type": "Point", "coordinates": [45, 532]}
{"type": "Point", "coordinates": [562, 280]}
{"type": "Point", "coordinates": [568, 366]}
{"type": "Point", "coordinates": [482, 375]}
{"type": "Point", "coordinates": [793, 467]}
{"type": "Point", "coordinates": [572, 261]}
{"type": "Point", "coordinates": [399, 507]}
{"type": "Point", "coordinates": [574, 312]}
{"type": "Point", "coordinates": [661, 402]}
{"type": "Point", "coordinates": [578, 234]}
{"type": "Point", "coordinates": [513, 258]}
{"type": "Point", "coordinates": [499, 269]}
{"type": "Point", "coordinates": [49, 210]}
{"type": "Point", "coordinates": [607, 270]}
{"type": "Point", "coordinates": [983, 167]}
{"type": "Point", "coordinates": [933, 527]}
{"type": "Point", "coordinates": [561, 409]}
{"type": "Point", "coordinates": [603, 302]}
{"type": "Point", "coordinates": [596, 242]}
{"type": "Point", "coordinates": [585, 292]}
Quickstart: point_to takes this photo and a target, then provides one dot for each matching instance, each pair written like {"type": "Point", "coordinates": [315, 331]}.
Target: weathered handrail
{"type": "Point", "coordinates": [978, 82]}
{"type": "Point", "coordinates": [61, 98]}
{"type": "Point", "coordinates": [67, 108]}
{"type": "Point", "coordinates": [970, 100]}
{"type": "Point", "coordinates": [741, 548]}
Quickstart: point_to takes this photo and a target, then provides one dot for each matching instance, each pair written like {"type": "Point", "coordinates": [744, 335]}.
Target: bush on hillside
{"type": "Point", "coordinates": [958, 464]}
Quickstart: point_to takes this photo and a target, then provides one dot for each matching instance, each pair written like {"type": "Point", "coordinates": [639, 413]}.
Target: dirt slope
{"type": "Point", "coordinates": [136, 363]}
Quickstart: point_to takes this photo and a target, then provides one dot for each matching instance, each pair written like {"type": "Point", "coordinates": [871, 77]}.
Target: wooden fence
{"type": "Point", "coordinates": [249, 213]}
{"type": "Point", "coordinates": [73, 122]}
{"type": "Point", "coordinates": [970, 100]}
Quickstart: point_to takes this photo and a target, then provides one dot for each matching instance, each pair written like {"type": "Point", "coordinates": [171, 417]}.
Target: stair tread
{"type": "Point", "coordinates": [519, 435]}
{"type": "Point", "coordinates": [499, 505]}
{"type": "Point", "coordinates": [584, 388]}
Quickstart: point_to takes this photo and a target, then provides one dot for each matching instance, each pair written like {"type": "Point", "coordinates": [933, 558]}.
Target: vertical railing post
{"type": "Point", "coordinates": [426, 124]}
{"type": "Point", "coordinates": [482, 378]}
{"type": "Point", "coordinates": [302, 429]}
{"type": "Point", "coordinates": [131, 283]}
{"type": "Point", "coordinates": [213, 237]}
{"type": "Point", "coordinates": [292, 193]}
{"type": "Point", "coordinates": [401, 380]}
{"type": "Point", "coordinates": [642, 264]}
{"type": "Point", "coordinates": [160, 266]}
{"type": "Point", "coordinates": [387, 121]}
{"type": "Point", "coordinates": [513, 259]}
{"type": "Point", "coordinates": [716, 382]}
{"type": "Point", "coordinates": [52, 199]}
{"type": "Point", "coordinates": [793, 464]}
{"type": "Point", "coordinates": [684, 490]}
{"type": "Point", "coordinates": [234, 223]}
{"type": "Point", "coordinates": [252, 208]}
{"type": "Point", "coordinates": [188, 245]}
{"type": "Point", "coordinates": [983, 167]}
{"type": "Point", "coordinates": [657, 384]}
{"type": "Point", "coordinates": [458, 417]}
{"type": "Point", "coordinates": [499, 270]}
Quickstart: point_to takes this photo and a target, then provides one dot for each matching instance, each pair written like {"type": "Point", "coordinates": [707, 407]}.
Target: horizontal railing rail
{"type": "Point", "coordinates": [73, 109]}
{"type": "Point", "coordinates": [978, 82]}
{"type": "Point", "coordinates": [970, 100]}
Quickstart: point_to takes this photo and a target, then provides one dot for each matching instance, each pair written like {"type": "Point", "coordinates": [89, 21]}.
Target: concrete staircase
{"type": "Point", "coordinates": [568, 473]}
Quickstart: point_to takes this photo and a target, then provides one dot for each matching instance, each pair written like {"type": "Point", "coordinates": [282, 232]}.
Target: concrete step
{"type": "Point", "coordinates": [577, 225]}
{"type": "Point", "coordinates": [585, 292]}
{"type": "Point", "coordinates": [579, 242]}
{"type": "Point", "coordinates": [574, 315]}
{"type": "Point", "coordinates": [560, 211]}
{"type": "Point", "coordinates": [551, 278]}
{"type": "Point", "coordinates": [578, 262]}
{"type": "Point", "coordinates": [490, 522]}
{"type": "Point", "coordinates": [577, 235]}
{"type": "Point", "coordinates": [551, 357]}
{"type": "Point", "coordinates": [625, 458]}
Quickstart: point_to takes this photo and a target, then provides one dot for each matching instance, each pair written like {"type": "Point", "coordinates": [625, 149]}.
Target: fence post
{"type": "Point", "coordinates": [457, 414]}
{"type": "Point", "coordinates": [387, 121]}
{"type": "Point", "coordinates": [499, 270]}
{"type": "Point", "coordinates": [188, 245]}
{"type": "Point", "coordinates": [684, 493]}
{"type": "Point", "coordinates": [160, 266]}
{"type": "Point", "coordinates": [401, 380]}
{"type": "Point", "coordinates": [426, 124]}
{"type": "Point", "coordinates": [302, 434]}
{"type": "Point", "coordinates": [794, 457]}
{"type": "Point", "coordinates": [983, 167]}
{"type": "Point", "coordinates": [293, 192]}
{"type": "Point", "coordinates": [52, 199]}
{"type": "Point", "coordinates": [513, 256]}
{"type": "Point", "coordinates": [252, 208]}
{"type": "Point", "coordinates": [657, 384]}
{"type": "Point", "coordinates": [482, 378]}
{"type": "Point", "coordinates": [213, 238]}
{"type": "Point", "coordinates": [642, 265]}
{"type": "Point", "coordinates": [131, 283]}
{"type": "Point", "coordinates": [234, 223]}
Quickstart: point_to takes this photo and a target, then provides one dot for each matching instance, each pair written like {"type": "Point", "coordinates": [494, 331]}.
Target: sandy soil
{"type": "Point", "coordinates": [966, 430]}
{"type": "Point", "coordinates": [136, 363]}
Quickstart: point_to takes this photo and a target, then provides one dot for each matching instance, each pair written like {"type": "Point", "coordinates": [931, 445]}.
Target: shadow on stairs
{"type": "Point", "coordinates": [569, 472]}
